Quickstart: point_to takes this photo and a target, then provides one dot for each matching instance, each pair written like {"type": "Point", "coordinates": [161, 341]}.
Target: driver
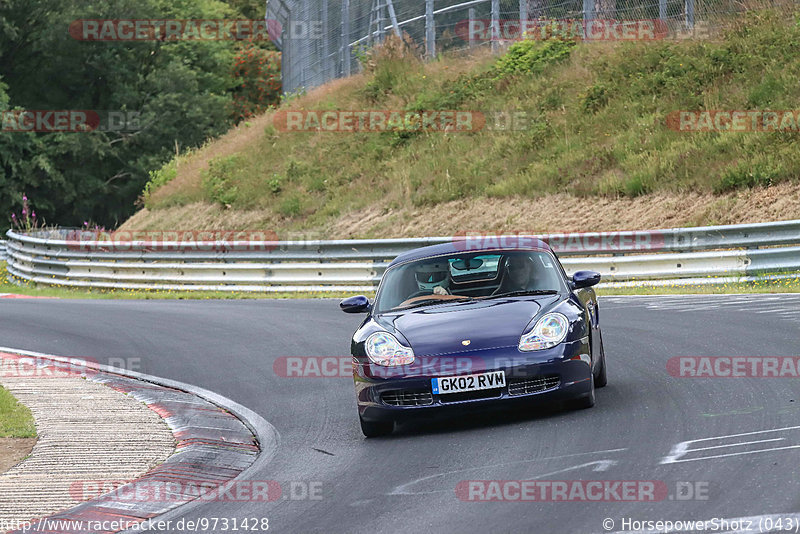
{"type": "Point", "coordinates": [434, 277]}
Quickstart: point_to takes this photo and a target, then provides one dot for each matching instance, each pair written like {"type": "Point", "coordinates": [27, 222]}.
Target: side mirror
{"type": "Point", "coordinates": [359, 304]}
{"type": "Point", "coordinates": [583, 279]}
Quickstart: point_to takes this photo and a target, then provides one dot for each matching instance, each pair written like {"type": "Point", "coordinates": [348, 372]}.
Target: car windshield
{"type": "Point", "coordinates": [467, 276]}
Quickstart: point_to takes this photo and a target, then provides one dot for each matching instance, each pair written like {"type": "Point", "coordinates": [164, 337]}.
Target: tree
{"type": "Point", "coordinates": [179, 93]}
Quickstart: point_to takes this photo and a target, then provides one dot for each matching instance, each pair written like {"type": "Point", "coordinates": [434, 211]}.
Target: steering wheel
{"type": "Point", "coordinates": [443, 298]}
{"type": "Point", "coordinates": [419, 294]}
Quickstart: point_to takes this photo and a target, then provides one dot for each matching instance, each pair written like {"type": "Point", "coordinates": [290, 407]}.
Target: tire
{"type": "Point", "coordinates": [376, 429]}
{"type": "Point", "coordinates": [584, 401]}
{"type": "Point", "coordinates": [601, 380]}
{"type": "Point", "coordinates": [587, 401]}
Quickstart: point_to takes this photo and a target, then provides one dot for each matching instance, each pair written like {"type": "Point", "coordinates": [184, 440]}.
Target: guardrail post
{"type": "Point", "coordinates": [393, 18]}
{"type": "Point", "coordinates": [495, 25]}
{"type": "Point", "coordinates": [471, 27]}
{"type": "Point", "coordinates": [588, 14]}
{"type": "Point", "coordinates": [326, 63]}
{"type": "Point", "coordinates": [430, 30]}
{"type": "Point", "coordinates": [370, 28]}
{"type": "Point", "coordinates": [380, 21]}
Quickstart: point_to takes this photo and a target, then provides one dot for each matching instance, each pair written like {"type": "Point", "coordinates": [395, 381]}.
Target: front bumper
{"type": "Point", "coordinates": [561, 373]}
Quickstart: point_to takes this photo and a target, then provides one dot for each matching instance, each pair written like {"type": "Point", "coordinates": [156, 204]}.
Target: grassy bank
{"type": "Point", "coordinates": [595, 134]}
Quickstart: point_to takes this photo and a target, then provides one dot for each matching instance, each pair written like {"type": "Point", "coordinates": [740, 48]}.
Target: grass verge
{"type": "Point", "coordinates": [16, 420]}
{"type": "Point", "coordinates": [765, 286]}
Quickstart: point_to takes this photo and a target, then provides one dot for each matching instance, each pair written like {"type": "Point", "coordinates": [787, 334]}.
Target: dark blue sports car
{"type": "Point", "coordinates": [455, 327]}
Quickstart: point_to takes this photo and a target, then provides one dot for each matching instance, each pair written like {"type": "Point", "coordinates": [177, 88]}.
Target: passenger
{"type": "Point", "coordinates": [519, 275]}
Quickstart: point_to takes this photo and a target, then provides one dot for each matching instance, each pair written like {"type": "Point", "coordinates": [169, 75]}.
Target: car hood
{"type": "Point", "coordinates": [441, 329]}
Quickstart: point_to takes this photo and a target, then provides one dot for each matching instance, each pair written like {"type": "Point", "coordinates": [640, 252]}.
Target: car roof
{"type": "Point", "coordinates": [478, 244]}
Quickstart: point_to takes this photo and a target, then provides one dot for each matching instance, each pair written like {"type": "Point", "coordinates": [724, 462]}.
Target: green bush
{"type": "Point", "coordinates": [275, 183]}
{"type": "Point", "coordinates": [217, 180]}
{"type": "Point", "coordinates": [290, 206]}
{"type": "Point", "coordinates": [635, 186]}
{"type": "Point", "coordinates": [595, 98]}
{"type": "Point", "coordinates": [744, 175]}
{"type": "Point", "coordinates": [532, 56]}
{"type": "Point", "coordinates": [765, 92]}
{"type": "Point", "coordinates": [158, 178]}
{"type": "Point", "coordinates": [394, 68]}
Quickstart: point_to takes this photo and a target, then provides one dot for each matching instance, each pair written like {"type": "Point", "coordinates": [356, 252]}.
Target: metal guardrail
{"type": "Point", "coordinates": [2, 250]}
{"type": "Point", "coordinates": [713, 254]}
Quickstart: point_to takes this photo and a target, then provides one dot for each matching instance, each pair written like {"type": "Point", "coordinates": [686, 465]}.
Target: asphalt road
{"type": "Point", "coordinates": [406, 482]}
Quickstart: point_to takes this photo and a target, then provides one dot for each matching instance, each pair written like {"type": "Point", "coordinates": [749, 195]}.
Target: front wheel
{"type": "Point", "coordinates": [585, 401]}
{"type": "Point", "coordinates": [375, 429]}
{"type": "Point", "coordinates": [582, 403]}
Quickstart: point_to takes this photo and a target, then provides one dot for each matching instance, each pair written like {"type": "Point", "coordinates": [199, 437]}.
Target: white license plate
{"type": "Point", "coordinates": [459, 384]}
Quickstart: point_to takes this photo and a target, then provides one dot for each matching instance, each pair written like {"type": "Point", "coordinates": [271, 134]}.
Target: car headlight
{"type": "Point", "coordinates": [548, 332]}
{"type": "Point", "coordinates": [384, 349]}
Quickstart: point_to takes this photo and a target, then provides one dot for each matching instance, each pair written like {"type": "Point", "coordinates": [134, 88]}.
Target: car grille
{"type": "Point", "coordinates": [525, 386]}
{"type": "Point", "coordinates": [408, 397]}
{"type": "Point", "coordinates": [471, 395]}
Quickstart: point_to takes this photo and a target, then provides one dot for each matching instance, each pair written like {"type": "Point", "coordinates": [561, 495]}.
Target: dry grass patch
{"type": "Point", "coordinates": [549, 213]}
{"type": "Point", "coordinates": [13, 451]}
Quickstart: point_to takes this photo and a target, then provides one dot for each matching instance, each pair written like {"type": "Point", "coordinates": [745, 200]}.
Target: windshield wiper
{"type": "Point", "coordinates": [524, 292]}
{"type": "Point", "coordinates": [427, 302]}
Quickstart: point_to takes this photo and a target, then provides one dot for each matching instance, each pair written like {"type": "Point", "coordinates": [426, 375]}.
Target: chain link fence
{"type": "Point", "coordinates": [323, 39]}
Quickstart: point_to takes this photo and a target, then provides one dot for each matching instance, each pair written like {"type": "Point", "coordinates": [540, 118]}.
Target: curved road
{"type": "Point", "coordinates": [406, 482]}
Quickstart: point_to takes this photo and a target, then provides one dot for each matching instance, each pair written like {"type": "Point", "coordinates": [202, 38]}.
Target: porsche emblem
{"type": "Point", "coordinates": [466, 342]}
